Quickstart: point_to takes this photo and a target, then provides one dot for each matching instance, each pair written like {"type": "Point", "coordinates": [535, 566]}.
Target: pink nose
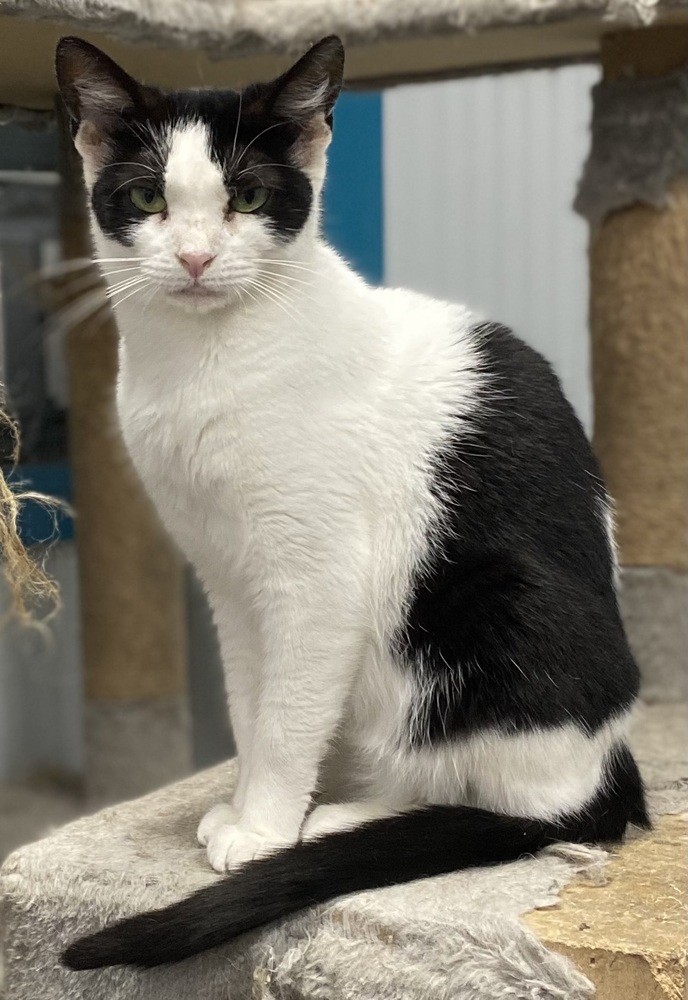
{"type": "Point", "coordinates": [195, 263]}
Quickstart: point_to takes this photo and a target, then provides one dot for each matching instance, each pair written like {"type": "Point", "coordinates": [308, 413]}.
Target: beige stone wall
{"type": "Point", "coordinates": [132, 586]}
{"type": "Point", "coordinates": [639, 330]}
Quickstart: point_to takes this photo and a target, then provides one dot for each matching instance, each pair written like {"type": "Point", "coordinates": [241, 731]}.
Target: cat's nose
{"type": "Point", "coordinates": [195, 263]}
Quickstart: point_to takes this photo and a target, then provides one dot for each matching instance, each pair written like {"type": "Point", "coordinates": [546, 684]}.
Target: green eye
{"type": "Point", "coordinates": [249, 200]}
{"type": "Point", "coordinates": [148, 200]}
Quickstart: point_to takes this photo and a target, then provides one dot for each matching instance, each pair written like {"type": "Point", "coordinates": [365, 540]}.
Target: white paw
{"type": "Point", "coordinates": [220, 815]}
{"type": "Point", "coordinates": [231, 846]}
{"type": "Point", "coordinates": [341, 816]}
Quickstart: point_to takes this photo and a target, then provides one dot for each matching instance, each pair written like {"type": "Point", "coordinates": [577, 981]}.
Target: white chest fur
{"type": "Point", "coordinates": [248, 427]}
{"type": "Point", "coordinates": [294, 446]}
{"type": "Point", "coordinates": [225, 450]}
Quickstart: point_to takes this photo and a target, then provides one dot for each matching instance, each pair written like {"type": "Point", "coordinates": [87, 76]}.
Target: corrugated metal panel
{"type": "Point", "coordinates": [479, 176]}
{"type": "Point", "coordinates": [41, 687]}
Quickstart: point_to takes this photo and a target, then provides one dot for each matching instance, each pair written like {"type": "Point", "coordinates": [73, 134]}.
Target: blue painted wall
{"type": "Point", "coordinates": [39, 524]}
{"type": "Point", "coordinates": [353, 195]}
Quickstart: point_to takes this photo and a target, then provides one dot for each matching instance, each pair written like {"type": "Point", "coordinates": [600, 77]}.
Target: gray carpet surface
{"type": "Point", "coordinates": [249, 27]}
{"type": "Point", "coordinates": [457, 936]}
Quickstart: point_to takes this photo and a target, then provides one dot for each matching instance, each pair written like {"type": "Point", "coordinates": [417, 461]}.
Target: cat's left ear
{"type": "Point", "coordinates": [310, 88]}
{"type": "Point", "coordinates": [96, 93]}
{"type": "Point", "coordinates": [93, 87]}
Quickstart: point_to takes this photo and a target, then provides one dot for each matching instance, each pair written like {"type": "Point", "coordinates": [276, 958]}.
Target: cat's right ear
{"type": "Point", "coordinates": [310, 88]}
{"type": "Point", "coordinates": [96, 91]}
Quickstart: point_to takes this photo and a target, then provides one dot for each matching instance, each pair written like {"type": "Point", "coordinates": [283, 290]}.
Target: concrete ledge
{"type": "Point", "coordinates": [654, 605]}
{"type": "Point", "coordinates": [135, 746]}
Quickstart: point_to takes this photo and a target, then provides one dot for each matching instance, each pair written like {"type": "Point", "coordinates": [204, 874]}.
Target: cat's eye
{"type": "Point", "coordinates": [249, 200]}
{"type": "Point", "coordinates": [147, 199]}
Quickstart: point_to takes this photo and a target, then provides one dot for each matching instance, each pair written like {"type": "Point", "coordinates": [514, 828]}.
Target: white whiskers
{"type": "Point", "coordinates": [277, 296]}
{"type": "Point", "coordinates": [236, 130]}
{"type": "Point", "coordinates": [298, 265]}
{"type": "Point", "coordinates": [96, 301]}
{"type": "Point", "coordinates": [130, 163]}
{"type": "Point", "coordinates": [129, 180]}
{"type": "Point", "coordinates": [140, 288]}
{"type": "Point", "coordinates": [246, 148]}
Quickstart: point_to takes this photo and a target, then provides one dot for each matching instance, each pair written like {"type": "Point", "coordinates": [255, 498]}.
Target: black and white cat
{"type": "Point", "coordinates": [400, 525]}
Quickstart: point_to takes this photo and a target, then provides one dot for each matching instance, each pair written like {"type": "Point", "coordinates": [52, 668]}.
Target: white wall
{"type": "Point", "coordinates": [479, 177]}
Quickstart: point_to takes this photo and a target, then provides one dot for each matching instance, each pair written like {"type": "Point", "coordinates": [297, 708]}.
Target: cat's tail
{"type": "Point", "coordinates": [429, 841]}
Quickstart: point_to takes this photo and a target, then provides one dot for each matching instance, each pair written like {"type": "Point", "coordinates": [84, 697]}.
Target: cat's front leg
{"type": "Point", "coordinates": [241, 662]}
{"type": "Point", "coordinates": [314, 637]}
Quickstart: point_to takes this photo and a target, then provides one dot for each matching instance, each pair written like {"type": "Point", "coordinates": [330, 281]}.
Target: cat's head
{"type": "Point", "coordinates": [201, 188]}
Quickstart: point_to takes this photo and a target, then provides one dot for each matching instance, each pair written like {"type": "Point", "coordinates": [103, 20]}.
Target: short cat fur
{"type": "Point", "coordinates": [400, 525]}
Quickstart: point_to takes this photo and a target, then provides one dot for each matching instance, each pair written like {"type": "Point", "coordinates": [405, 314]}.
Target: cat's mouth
{"type": "Point", "coordinates": [196, 292]}
{"type": "Point", "coordinates": [197, 298]}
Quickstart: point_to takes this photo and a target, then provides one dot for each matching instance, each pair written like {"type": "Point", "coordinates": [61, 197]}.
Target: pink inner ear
{"type": "Point", "coordinates": [91, 144]}
{"type": "Point", "coordinates": [90, 135]}
{"type": "Point", "coordinates": [315, 137]}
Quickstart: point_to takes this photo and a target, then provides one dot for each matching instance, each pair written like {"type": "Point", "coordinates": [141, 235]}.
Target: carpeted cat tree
{"type": "Point", "coordinates": [617, 930]}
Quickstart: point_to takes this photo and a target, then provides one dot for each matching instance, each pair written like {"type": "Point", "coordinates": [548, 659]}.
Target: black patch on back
{"type": "Point", "coordinates": [516, 622]}
{"type": "Point", "coordinates": [262, 156]}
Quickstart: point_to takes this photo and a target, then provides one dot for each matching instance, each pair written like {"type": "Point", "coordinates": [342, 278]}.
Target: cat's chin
{"type": "Point", "coordinates": [200, 300]}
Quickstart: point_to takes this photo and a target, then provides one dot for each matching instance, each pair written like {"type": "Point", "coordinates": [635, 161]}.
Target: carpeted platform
{"type": "Point", "coordinates": [457, 936]}
{"type": "Point", "coordinates": [33, 809]}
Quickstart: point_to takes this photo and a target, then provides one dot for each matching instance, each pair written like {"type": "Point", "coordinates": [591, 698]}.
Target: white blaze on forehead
{"type": "Point", "coordinates": [194, 186]}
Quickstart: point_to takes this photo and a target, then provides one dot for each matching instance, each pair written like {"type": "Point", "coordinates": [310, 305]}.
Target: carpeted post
{"type": "Point", "coordinates": [133, 611]}
{"type": "Point", "coordinates": [634, 192]}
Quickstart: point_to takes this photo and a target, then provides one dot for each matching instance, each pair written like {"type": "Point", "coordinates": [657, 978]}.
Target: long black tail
{"type": "Point", "coordinates": [430, 841]}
